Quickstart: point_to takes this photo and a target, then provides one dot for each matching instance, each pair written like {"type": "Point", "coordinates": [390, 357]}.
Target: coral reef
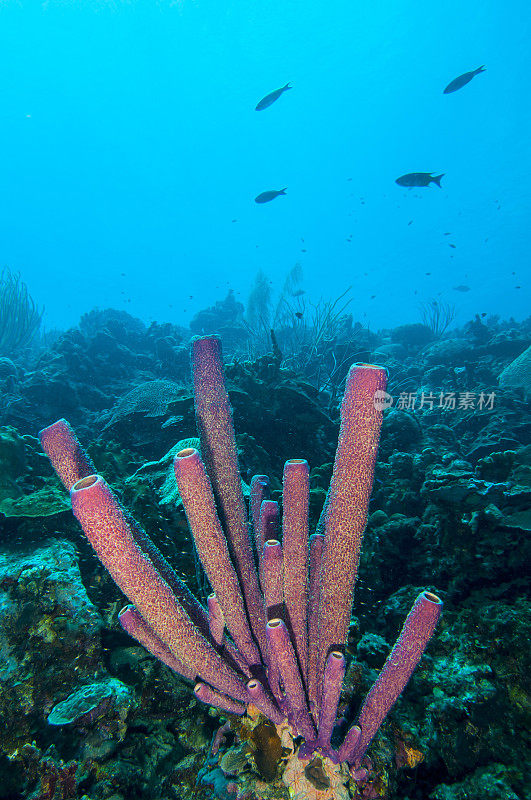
{"type": "Point", "coordinates": [287, 637]}
{"type": "Point", "coordinates": [450, 510]}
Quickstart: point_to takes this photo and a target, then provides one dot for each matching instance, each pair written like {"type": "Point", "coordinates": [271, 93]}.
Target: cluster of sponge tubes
{"type": "Point", "coordinates": [274, 630]}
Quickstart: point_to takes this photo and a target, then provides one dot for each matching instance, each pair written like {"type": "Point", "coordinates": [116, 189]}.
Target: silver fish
{"type": "Point", "coordinates": [461, 288]}
{"type": "Point", "coordinates": [462, 80]}
{"type": "Point", "coordinates": [419, 179]}
{"type": "Point", "coordinates": [266, 197]}
{"type": "Point", "coordinates": [270, 98]}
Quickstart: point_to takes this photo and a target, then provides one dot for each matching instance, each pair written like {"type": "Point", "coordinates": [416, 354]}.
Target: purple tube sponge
{"type": "Point", "coordinates": [290, 668]}
{"type": "Point", "coordinates": [284, 654]}
{"type": "Point", "coordinates": [392, 680]}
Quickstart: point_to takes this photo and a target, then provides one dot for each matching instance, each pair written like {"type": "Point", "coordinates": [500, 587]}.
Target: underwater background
{"type": "Point", "coordinates": [318, 185]}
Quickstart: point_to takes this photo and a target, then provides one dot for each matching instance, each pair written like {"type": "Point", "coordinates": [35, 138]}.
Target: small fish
{"type": "Point", "coordinates": [303, 250]}
{"type": "Point", "coordinates": [452, 245]}
{"type": "Point", "coordinates": [373, 296]}
{"type": "Point", "coordinates": [447, 233]}
{"type": "Point", "coordinates": [298, 314]}
{"type": "Point", "coordinates": [410, 222]}
{"type": "Point", "coordinates": [427, 273]}
{"type": "Point", "coordinates": [461, 288]}
{"type": "Point", "coordinates": [462, 80]}
{"type": "Point", "coordinates": [234, 220]}
{"type": "Point", "coordinates": [419, 179]}
{"type": "Point", "coordinates": [298, 293]}
{"type": "Point", "coordinates": [266, 197]}
{"type": "Point", "coordinates": [483, 313]}
{"type": "Point", "coordinates": [517, 287]}
{"type": "Point", "coordinates": [270, 98]}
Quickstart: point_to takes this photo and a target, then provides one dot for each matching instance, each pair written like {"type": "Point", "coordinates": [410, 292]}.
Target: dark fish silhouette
{"type": "Point", "coordinates": [461, 288]}
{"type": "Point", "coordinates": [462, 80]}
{"type": "Point", "coordinates": [270, 98]}
{"type": "Point", "coordinates": [419, 179]}
{"type": "Point", "coordinates": [266, 197]}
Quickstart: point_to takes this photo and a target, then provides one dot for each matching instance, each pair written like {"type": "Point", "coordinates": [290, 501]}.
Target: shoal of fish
{"type": "Point", "coordinates": [410, 179]}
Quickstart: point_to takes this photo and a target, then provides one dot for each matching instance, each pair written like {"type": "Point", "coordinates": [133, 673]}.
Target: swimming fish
{"type": "Point", "coordinates": [270, 98]}
{"type": "Point", "coordinates": [461, 288]}
{"type": "Point", "coordinates": [462, 80]}
{"type": "Point", "coordinates": [266, 197]}
{"type": "Point", "coordinates": [419, 179]}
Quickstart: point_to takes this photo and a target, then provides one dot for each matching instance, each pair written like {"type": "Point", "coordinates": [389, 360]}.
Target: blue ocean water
{"type": "Point", "coordinates": [132, 153]}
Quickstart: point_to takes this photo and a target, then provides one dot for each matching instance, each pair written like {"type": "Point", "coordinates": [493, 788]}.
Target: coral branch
{"type": "Point", "coordinates": [216, 619]}
{"type": "Point", "coordinates": [67, 457]}
{"type": "Point", "coordinates": [347, 504]}
{"type": "Point", "coordinates": [268, 528]}
{"type": "Point", "coordinates": [212, 697]}
{"type": "Point", "coordinates": [108, 530]}
{"type": "Point", "coordinates": [278, 637]}
{"type": "Point", "coordinates": [198, 501]}
{"type": "Point", "coordinates": [218, 445]}
{"type": "Point", "coordinates": [259, 490]}
{"type": "Point", "coordinates": [137, 627]}
{"type": "Point", "coordinates": [397, 670]}
{"type": "Point", "coordinates": [296, 493]}
{"type": "Point", "coordinates": [314, 580]}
